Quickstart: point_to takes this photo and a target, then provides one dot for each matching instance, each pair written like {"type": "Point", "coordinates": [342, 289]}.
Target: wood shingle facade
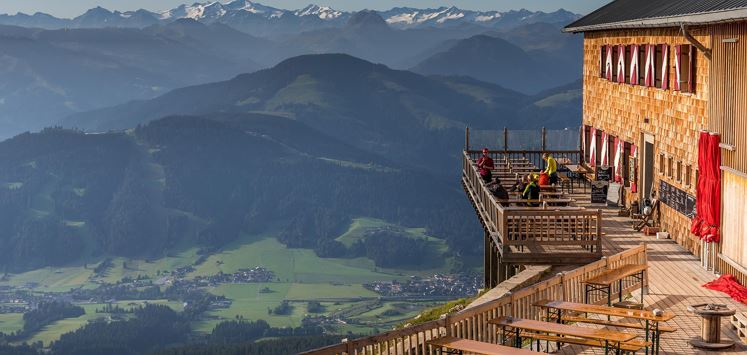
{"type": "Point", "coordinates": [698, 83]}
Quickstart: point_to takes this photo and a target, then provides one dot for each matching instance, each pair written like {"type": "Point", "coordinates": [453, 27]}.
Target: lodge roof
{"type": "Point", "coordinates": [659, 13]}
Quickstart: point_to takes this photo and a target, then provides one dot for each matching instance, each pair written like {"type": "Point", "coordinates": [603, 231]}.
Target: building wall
{"type": "Point", "coordinates": [728, 107]}
{"type": "Point", "coordinates": [674, 118]}
{"type": "Point", "coordinates": [728, 104]}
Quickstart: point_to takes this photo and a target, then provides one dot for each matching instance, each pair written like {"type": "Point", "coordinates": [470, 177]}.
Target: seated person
{"type": "Point", "coordinates": [497, 189]}
{"type": "Point", "coordinates": [520, 184]}
{"type": "Point", "coordinates": [532, 190]}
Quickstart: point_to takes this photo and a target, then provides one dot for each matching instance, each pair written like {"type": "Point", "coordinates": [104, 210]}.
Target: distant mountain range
{"type": "Point", "coordinates": [262, 20]}
{"type": "Point", "coordinates": [304, 146]}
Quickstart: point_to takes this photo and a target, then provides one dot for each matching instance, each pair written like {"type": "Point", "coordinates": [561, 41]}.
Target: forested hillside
{"type": "Point", "coordinates": [71, 195]}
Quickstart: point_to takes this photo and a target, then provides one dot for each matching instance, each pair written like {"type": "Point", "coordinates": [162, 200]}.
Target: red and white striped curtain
{"type": "Point", "coordinates": [664, 66]}
{"type": "Point", "coordinates": [650, 65]}
{"type": "Point", "coordinates": [621, 64]}
{"type": "Point", "coordinates": [618, 160]}
{"type": "Point", "coordinates": [634, 64]}
{"type": "Point", "coordinates": [593, 147]}
{"type": "Point", "coordinates": [605, 150]}
{"type": "Point", "coordinates": [608, 64]}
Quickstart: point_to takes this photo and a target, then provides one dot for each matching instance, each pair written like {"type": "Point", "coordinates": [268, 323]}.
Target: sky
{"type": "Point", "coordinates": [72, 8]}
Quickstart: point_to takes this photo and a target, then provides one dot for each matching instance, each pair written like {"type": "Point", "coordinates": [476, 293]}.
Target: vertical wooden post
{"type": "Point", "coordinates": [544, 139]}
{"type": "Point", "coordinates": [466, 138]}
{"type": "Point", "coordinates": [505, 139]}
{"type": "Point", "coordinates": [487, 262]}
{"type": "Point", "coordinates": [564, 293]}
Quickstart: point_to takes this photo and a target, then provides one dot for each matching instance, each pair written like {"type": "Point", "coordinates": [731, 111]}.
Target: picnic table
{"type": "Point", "coordinates": [580, 172]}
{"type": "Point", "coordinates": [609, 338]}
{"type": "Point", "coordinates": [604, 281]}
{"type": "Point", "coordinates": [454, 345]}
{"type": "Point", "coordinates": [652, 327]}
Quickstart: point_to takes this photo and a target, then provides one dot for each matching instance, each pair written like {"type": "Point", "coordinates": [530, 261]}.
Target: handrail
{"type": "Point", "coordinates": [473, 323]}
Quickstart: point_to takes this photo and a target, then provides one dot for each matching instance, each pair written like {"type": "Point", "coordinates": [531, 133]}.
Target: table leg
{"type": "Point", "coordinates": [647, 336]}
{"type": "Point", "coordinates": [643, 277]}
{"type": "Point", "coordinates": [657, 335]}
{"type": "Point", "coordinates": [503, 335]}
{"type": "Point", "coordinates": [586, 293]}
{"type": "Point", "coordinates": [518, 339]}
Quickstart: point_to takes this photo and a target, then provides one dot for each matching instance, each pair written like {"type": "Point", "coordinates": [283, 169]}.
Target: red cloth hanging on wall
{"type": "Point", "coordinates": [708, 200]}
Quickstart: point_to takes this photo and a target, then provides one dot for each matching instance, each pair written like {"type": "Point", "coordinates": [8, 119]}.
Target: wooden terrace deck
{"type": "Point", "coordinates": [675, 279]}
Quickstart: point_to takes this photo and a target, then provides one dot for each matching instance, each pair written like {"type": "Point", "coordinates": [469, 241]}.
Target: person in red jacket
{"type": "Point", "coordinates": [486, 165]}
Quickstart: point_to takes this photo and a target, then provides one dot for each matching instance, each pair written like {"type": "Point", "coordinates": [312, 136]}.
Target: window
{"type": "Point", "coordinates": [615, 62]}
{"type": "Point", "coordinates": [678, 172]}
{"type": "Point", "coordinates": [688, 175]}
{"type": "Point", "coordinates": [642, 64]}
{"type": "Point", "coordinates": [670, 167]}
{"type": "Point", "coordinates": [684, 65]}
{"type": "Point", "coordinates": [602, 55]}
{"type": "Point", "coordinates": [662, 164]}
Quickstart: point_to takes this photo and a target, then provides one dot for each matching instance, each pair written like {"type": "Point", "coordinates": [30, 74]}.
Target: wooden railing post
{"type": "Point", "coordinates": [466, 139]}
{"type": "Point", "coordinates": [505, 139]}
{"type": "Point", "coordinates": [561, 275]}
{"type": "Point", "coordinates": [447, 324]}
{"type": "Point", "coordinates": [544, 139]}
{"type": "Point", "coordinates": [348, 347]}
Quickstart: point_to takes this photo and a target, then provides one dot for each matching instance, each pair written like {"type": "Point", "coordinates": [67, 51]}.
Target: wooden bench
{"type": "Point", "coordinates": [458, 346]}
{"type": "Point", "coordinates": [662, 328]}
{"type": "Point", "coordinates": [628, 346]}
{"type": "Point", "coordinates": [604, 281]}
{"type": "Point", "coordinates": [610, 338]}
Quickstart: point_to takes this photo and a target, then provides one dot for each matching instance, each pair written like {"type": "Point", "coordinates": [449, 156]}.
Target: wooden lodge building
{"type": "Point", "coordinates": [656, 74]}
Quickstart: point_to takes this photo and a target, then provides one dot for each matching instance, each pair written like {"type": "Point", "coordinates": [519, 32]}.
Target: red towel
{"type": "Point", "coordinates": [729, 285]}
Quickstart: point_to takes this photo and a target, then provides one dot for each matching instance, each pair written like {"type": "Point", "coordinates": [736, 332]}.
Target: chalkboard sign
{"type": "Point", "coordinates": [604, 173]}
{"type": "Point", "coordinates": [599, 191]}
{"type": "Point", "coordinates": [614, 194]}
{"type": "Point", "coordinates": [679, 200]}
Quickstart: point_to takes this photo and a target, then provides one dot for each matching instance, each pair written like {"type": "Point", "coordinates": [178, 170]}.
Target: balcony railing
{"type": "Point", "coordinates": [528, 235]}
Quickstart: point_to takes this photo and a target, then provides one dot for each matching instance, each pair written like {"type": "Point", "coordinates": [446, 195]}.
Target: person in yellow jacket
{"type": "Point", "coordinates": [552, 168]}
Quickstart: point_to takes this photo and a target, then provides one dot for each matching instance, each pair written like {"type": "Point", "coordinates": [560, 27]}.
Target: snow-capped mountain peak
{"type": "Point", "coordinates": [323, 12]}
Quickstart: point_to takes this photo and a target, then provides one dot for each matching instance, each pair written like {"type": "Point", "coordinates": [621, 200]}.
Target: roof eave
{"type": "Point", "coordinates": [671, 21]}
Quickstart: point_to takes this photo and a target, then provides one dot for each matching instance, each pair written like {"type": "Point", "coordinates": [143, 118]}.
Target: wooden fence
{"type": "Point", "coordinates": [472, 323]}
